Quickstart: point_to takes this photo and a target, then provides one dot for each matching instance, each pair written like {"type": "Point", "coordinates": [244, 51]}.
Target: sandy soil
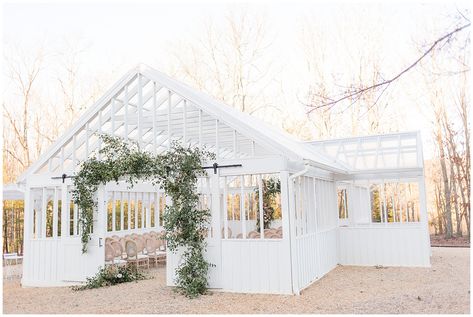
{"type": "Point", "coordinates": [443, 288]}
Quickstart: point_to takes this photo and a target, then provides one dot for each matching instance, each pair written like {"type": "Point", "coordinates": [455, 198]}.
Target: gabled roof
{"type": "Point", "coordinates": [89, 113]}
{"type": "Point", "coordinates": [281, 142]}
{"type": "Point", "coordinates": [238, 120]}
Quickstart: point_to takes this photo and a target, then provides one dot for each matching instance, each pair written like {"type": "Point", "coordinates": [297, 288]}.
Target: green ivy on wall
{"type": "Point", "coordinates": [271, 188]}
{"type": "Point", "coordinates": [176, 172]}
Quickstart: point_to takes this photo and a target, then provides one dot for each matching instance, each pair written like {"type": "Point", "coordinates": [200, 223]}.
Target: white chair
{"type": "Point", "coordinates": [118, 254]}
{"type": "Point", "coordinates": [133, 255]}
{"type": "Point", "coordinates": [9, 258]}
{"type": "Point", "coordinates": [229, 231]}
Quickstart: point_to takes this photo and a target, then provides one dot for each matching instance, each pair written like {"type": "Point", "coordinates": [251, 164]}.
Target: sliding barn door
{"type": "Point", "coordinates": [214, 241]}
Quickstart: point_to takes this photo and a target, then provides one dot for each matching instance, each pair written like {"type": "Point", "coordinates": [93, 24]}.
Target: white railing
{"type": "Point", "coordinates": [134, 211]}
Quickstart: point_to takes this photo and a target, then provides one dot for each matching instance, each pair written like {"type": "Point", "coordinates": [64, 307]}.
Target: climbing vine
{"type": "Point", "coordinates": [176, 172]}
{"type": "Point", "coordinates": [271, 188]}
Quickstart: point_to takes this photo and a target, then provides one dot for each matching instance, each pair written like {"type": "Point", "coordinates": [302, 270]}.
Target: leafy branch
{"type": "Point", "coordinates": [176, 172]}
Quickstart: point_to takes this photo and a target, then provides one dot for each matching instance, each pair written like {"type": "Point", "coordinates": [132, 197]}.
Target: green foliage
{"type": "Point", "coordinates": [192, 273]}
{"type": "Point", "coordinates": [111, 275]}
{"type": "Point", "coordinates": [185, 224]}
{"type": "Point", "coordinates": [176, 172]}
{"type": "Point", "coordinates": [271, 188]}
{"type": "Point", "coordinates": [375, 204]}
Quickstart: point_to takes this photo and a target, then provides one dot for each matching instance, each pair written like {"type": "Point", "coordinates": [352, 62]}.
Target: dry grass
{"type": "Point", "coordinates": [444, 288]}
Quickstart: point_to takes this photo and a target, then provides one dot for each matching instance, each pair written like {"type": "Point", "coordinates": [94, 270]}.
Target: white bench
{"type": "Point", "coordinates": [9, 258]}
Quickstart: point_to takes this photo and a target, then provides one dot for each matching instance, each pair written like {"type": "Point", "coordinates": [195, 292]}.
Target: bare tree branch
{"type": "Point", "coordinates": [13, 155]}
{"type": "Point", "coordinates": [358, 92]}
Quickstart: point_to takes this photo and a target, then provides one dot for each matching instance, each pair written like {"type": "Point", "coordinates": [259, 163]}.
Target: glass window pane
{"type": "Point", "coordinates": [375, 197]}
{"type": "Point", "coordinates": [109, 215]}
{"type": "Point", "coordinates": [118, 204]}
{"type": "Point", "coordinates": [272, 216]}
{"type": "Point", "coordinates": [125, 213]}
{"type": "Point", "coordinates": [342, 203]}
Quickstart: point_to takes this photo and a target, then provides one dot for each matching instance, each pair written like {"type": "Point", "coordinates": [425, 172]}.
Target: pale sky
{"type": "Point", "coordinates": [119, 36]}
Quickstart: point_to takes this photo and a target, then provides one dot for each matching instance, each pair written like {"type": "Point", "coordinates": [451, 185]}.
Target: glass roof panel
{"type": "Point", "coordinates": [378, 152]}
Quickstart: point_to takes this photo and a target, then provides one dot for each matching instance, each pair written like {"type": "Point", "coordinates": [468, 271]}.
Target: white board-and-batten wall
{"type": "Point", "coordinates": [363, 242]}
{"type": "Point", "coordinates": [312, 244]}
{"type": "Point", "coordinates": [250, 265]}
{"type": "Point", "coordinates": [268, 265]}
{"type": "Point", "coordinates": [54, 257]}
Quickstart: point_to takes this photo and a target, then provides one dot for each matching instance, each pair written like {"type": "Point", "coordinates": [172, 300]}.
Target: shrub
{"type": "Point", "coordinates": [111, 275]}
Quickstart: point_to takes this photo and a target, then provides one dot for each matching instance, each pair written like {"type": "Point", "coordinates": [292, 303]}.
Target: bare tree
{"type": "Point", "coordinates": [35, 115]}
{"type": "Point", "coordinates": [359, 91]}
{"type": "Point", "coordinates": [450, 105]}
{"type": "Point", "coordinates": [462, 157]}
{"type": "Point", "coordinates": [228, 62]}
{"type": "Point", "coordinates": [75, 95]}
{"type": "Point", "coordinates": [464, 169]}
{"type": "Point", "coordinates": [439, 207]}
{"type": "Point", "coordinates": [361, 98]}
{"type": "Point", "coordinates": [23, 73]}
{"type": "Point", "coordinates": [446, 184]}
{"type": "Point", "coordinates": [313, 46]}
{"type": "Point", "coordinates": [363, 113]}
{"type": "Point", "coordinates": [454, 178]}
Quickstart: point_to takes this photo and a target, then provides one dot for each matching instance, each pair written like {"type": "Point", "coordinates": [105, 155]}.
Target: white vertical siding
{"type": "Point", "coordinates": [309, 259]}
{"type": "Point", "coordinates": [316, 228]}
{"type": "Point", "coordinates": [317, 255]}
{"type": "Point", "coordinates": [77, 266]}
{"type": "Point", "coordinates": [256, 266]}
{"type": "Point", "coordinates": [328, 250]}
{"type": "Point", "coordinates": [173, 260]}
{"type": "Point", "coordinates": [387, 245]}
{"type": "Point", "coordinates": [248, 266]}
{"type": "Point", "coordinates": [41, 268]}
{"type": "Point", "coordinates": [57, 259]}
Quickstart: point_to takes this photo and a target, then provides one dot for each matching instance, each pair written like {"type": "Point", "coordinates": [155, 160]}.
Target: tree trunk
{"type": "Point", "coordinates": [446, 186]}
{"type": "Point", "coordinates": [455, 176]}
{"type": "Point", "coordinates": [5, 230]}
{"type": "Point", "coordinates": [463, 109]}
{"type": "Point", "coordinates": [458, 216]}
{"type": "Point", "coordinates": [453, 185]}
{"type": "Point", "coordinates": [438, 200]}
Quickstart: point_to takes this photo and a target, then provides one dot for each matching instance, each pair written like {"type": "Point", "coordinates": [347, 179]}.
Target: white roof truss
{"type": "Point", "coordinates": [153, 109]}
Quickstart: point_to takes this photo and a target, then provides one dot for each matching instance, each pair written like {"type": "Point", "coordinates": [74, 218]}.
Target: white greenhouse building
{"type": "Point", "coordinates": [353, 201]}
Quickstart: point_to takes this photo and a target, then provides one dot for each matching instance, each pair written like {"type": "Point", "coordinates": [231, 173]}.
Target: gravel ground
{"type": "Point", "coordinates": [443, 288]}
